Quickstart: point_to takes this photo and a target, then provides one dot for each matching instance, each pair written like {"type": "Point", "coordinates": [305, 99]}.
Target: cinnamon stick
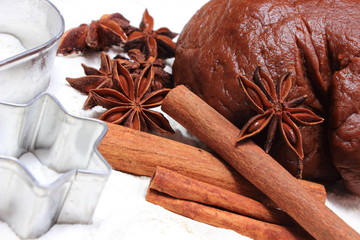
{"type": "Point", "coordinates": [182, 187]}
{"type": "Point", "coordinates": [140, 153]}
{"type": "Point", "coordinates": [219, 218]}
{"type": "Point", "coordinates": [255, 165]}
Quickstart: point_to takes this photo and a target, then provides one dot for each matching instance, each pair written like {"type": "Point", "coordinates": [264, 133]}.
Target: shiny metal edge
{"type": "Point", "coordinates": [38, 49]}
{"type": "Point", "coordinates": [63, 178]}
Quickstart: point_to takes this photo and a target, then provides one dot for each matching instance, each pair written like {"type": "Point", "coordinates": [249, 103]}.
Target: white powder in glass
{"type": "Point", "coordinates": [9, 46]}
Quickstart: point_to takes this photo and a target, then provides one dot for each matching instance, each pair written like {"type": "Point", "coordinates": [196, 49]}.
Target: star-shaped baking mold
{"type": "Point", "coordinates": [61, 142]}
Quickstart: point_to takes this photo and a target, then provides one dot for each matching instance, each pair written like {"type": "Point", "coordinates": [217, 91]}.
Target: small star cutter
{"type": "Point", "coordinates": [61, 142]}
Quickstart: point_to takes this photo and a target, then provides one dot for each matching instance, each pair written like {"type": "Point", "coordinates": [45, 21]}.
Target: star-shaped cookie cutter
{"type": "Point", "coordinates": [60, 142]}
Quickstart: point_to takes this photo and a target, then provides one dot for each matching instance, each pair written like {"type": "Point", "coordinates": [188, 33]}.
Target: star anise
{"type": "Point", "coordinates": [106, 32]}
{"type": "Point", "coordinates": [129, 101]}
{"type": "Point", "coordinates": [152, 43]}
{"type": "Point", "coordinates": [121, 21]}
{"type": "Point", "coordinates": [275, 111]}
{"type": "Point", "coordinates": [94, 79]}
{"type": "Point", "coordinates": [74, 41]}
{"type": "Point", "coordinates": [101, 34]}
{"type": "Point", "coordinates": [138, 61]}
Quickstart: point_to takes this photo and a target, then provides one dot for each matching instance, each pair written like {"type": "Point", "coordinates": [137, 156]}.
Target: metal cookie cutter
{"type": "Point", "coordinates": [61, 144]}
{"type": "Point", "coordinates": [34, 27]}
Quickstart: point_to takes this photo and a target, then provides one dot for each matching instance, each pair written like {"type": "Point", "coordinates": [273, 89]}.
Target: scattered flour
{"type": "Point", "coordinates": [9, 46]}
{"type": "Point", "coordinates": [41, 173]}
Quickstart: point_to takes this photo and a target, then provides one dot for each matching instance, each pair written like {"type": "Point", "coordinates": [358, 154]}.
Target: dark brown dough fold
{"type": "Point", "coordinates": [345, 124]}
{"type": "Point", "coordinates": [318, 41]}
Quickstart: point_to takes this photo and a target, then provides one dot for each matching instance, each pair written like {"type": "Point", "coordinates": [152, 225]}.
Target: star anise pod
{"type": "Point", "coordinates": [129, 102]}
{"type": "Point", "coordinates": [121, 21]}
{"type": "Point", "coordinates": [155, 43]}
{"type": "Point", "coordinates": [101, 34]}
{"type": "Point", "coordinates": [74, 41]}
{"type": "Point", "coordinates": [95, 78]}
{"type": "Point", "coordinates": [138, 61]}
{"type": "Point", "coordinates": [105, 33]}
{"type": "Point", "coordinates": [275, 111]}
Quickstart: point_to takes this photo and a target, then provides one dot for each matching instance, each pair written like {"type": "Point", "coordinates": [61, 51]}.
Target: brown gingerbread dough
{"type": "Point", "coordinates": [316, 40]}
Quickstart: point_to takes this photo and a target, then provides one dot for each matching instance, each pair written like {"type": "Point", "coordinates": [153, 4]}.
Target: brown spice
{"type": "Point", "coordinates": [140, 153]}
{"type": "Point", "coordinates": [153, 43]}
{"type": "Point", "coordinates": [254, 164]}
{"type": "Point", "coordinates": [109, 30]}
{"type": "Point", "coordinates": [103, 34]}
{"type": "Point", "coordinates": [128, 102]}
{"type": "Point", "coordinates": [127, 96]}
{"type": "Point", "coordinates": [276, 112]}
{"type": "Point", "coordinates": [138, 61]}
{"type": "Point", "coordinates": [179, 186]}
{"type": "Point", "coordinates": [95, 78]}
{"type": "Point", "coordinates": [244, 225]}
{"type": "Point", "coordinates": [74, 40]}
